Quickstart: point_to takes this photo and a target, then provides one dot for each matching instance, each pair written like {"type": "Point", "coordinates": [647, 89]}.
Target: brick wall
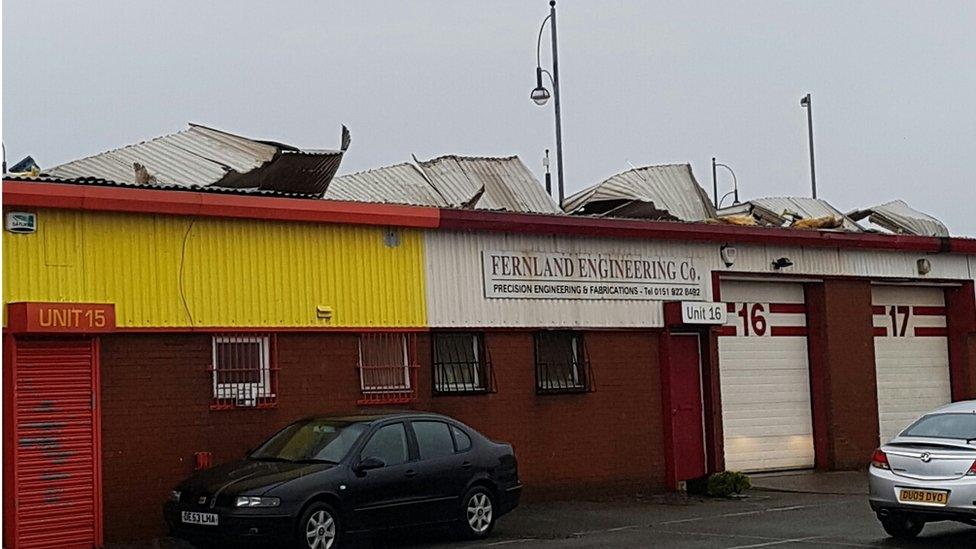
{"type": "Point", "coordinates": [842, 373]}
{"type": "Point", "coordinates": [156, 394]}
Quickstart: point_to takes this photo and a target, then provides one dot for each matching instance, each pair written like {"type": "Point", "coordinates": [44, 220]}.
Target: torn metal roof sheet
{"type": "Point", "coordinates": [782, 211]}
{"type": "Point", "coordinates": [898, 217]}
{"type": "Point", "coordinates": [655, 192]}
{"type": "Point", "coordinates": [200, 156]}
{"type": "Point", "coordinates": [398, 184]}
{"type": "Point", "coordinates": [487, 183]}
{"type": "Point", "coordinates": [484, 183]}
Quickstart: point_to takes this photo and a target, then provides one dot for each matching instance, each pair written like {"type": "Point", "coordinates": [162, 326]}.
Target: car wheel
{"type": "Point", "coordinates": [477, 513]}
{"type": "Point", "coordinates": [318, 528]}
{"type": "Point", "coordinates": [902, 526]}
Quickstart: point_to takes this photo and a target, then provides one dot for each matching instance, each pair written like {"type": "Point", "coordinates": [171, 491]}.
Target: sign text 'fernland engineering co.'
{"type": "Point", "coordinates": [554, 275]}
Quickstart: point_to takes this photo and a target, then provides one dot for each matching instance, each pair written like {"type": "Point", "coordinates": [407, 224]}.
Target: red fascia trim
{"type": "Point", "coordinates": [154, 201]}
{"type": "Point", "coordinates": [479, 220]}
{"type": "Point", "coordinates": [263, 330]}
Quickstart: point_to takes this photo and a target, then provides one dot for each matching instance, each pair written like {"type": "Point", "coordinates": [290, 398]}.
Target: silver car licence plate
{"type": "Point", "coordinates": [204, 519]}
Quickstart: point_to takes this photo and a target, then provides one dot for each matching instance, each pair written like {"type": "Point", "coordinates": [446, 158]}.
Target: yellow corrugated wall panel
{"type": "Point", "coordinates": [235, 273]}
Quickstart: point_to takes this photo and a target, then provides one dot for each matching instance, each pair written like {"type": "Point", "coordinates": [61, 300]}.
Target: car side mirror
{"type": "Point", "coordinates": [369, 463]}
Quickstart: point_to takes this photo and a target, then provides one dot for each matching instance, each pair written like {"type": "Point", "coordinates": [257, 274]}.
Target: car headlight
{"type": "Point", "coordinates": [174, 495]}
{"type": "Point", "coordinates": [255, 501]}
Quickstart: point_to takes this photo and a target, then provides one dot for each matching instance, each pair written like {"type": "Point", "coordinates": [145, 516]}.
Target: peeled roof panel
{"type": "Point", "coordinates": [200, 156]}
{"type": "Point", "coordinates": [806, 208]}
{"type": "Point", "coordinates": [195, 156]}
{"type": "Point", "coordinates": [397, 184]}
{"type": "Point", "coordinates": [899, 217]}
{"type": "Point", "coordinates": [670, 187]}
{"type": "Point", "coordinates": [508, 183]}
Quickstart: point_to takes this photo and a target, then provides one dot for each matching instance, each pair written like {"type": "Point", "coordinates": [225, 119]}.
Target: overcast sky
{"type": "Point", "coordinates": [893, 84]}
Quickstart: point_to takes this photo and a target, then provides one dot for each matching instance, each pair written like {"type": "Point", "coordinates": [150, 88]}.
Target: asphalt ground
{"type": "Point", "coordinates": [763, 519]}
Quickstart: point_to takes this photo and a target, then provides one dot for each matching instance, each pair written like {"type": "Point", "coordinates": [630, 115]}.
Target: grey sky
{"type": "Point", "coordinates": [893, 85]}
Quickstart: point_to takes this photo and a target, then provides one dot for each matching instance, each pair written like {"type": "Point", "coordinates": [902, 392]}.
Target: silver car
{"type": "Point", "coordinates": [928, 472]}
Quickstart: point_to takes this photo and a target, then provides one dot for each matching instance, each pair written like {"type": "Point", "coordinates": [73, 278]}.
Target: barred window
{"type": "Point", "coordinates": [560, 363]}
{"type": "Point", "coordinates": [387, 368]}
{"type": "Point", "coordinates": [242, 372]}
{"type": "Point", "coordinates": [461, 364]}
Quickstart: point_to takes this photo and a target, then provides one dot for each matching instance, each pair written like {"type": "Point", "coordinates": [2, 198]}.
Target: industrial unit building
{"type": "Point", "coordinates": [152, 331]}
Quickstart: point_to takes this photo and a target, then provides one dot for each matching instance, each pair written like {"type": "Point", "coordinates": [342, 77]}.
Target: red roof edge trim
{"type": "Point", "coordinates": [153, 201]}
{"type": "Point", "coordinates": [469, 220]}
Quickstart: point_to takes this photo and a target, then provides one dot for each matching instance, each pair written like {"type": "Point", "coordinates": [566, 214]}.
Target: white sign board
{"type": "Point", "coordinates": [703, 313]}
{"type": "Point", "coordinates": [21, 222]}
{"type": "Point", "coordinates": [557, 275]}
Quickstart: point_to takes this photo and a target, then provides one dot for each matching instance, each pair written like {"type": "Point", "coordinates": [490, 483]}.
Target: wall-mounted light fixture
{"type": "Point", "coordinates": [924, 266]}
{"type": "Point", "coordinates": [782, 263]}
{"type": "Point", "coordinates": [727, 253]}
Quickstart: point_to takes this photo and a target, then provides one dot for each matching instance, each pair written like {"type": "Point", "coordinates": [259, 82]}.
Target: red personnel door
{"type": "Point", "coordinates": [56, 466]}
{"type": "Point", "coordinates": [687, 421]}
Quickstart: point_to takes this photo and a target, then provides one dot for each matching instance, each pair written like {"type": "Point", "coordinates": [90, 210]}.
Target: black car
{"type": "Point", "coordinates": [322, 479]}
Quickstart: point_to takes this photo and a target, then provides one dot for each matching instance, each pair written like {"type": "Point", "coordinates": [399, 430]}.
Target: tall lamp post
{"type": "Point", "coordinates": [541, 95]}
{"type": "Point", "coordinates": [807, 103]}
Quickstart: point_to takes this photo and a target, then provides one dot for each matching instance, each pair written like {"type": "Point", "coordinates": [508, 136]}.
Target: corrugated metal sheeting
{"type": "Point", "coordinates": [671, 190]}
{"type": "Point", "coordinates": [234, 273]}
{"type": "Point", "coordinates": [507, 184]}
{"type": "Point", "coordinates": [456, 292]}
{"type": "Point", "coordinates": [898, 217]}
{"type": "Point", "coordinates": [456, 295]}
{"type": "Point", "coordinates": [483, 183]}
{"type": "Point", "coordinates": [397, 184]}
{"type": "Point", "coordinates": [201, 156]}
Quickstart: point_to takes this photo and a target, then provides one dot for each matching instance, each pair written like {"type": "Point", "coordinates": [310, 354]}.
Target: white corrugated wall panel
{"type": "Point", "coordinates": [455, 291]}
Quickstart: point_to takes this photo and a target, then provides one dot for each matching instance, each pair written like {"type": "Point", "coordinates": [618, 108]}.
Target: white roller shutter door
{"type": "Point", "coordinates": [911, 354]}
{"type": "Point", "coordinates": [765, 377]}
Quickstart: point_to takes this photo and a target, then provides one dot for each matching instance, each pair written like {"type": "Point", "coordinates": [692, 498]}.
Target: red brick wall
{"type": "Point", "coordinates": [843, 373]}
{"type": "Point", "coordinates": [156, 393]}
{"type": "Point", "coordinates": [609, 439]}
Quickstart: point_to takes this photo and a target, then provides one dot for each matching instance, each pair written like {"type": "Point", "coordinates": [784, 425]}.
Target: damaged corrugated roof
{"type": "Point", "coordinates": [654, 192]}
{"type": "Point", "coordinates": [202, 157]}
{"type": "Point", "coordinates": [485, 183]}
{"type": "Point", "coordinates": [786, 211]}
{"type": "Point", "coordinates": [397, 184]}
{"type": "Point", "coordinates": [488, 183]}
{"type": "Point", "coordinates": [898, 217]}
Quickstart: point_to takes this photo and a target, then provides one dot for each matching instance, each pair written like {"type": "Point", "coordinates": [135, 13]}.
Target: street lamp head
{"type": "Point", "coordinates": [805, 100]}
{"type": "Point", "coordinates": [540, 95]}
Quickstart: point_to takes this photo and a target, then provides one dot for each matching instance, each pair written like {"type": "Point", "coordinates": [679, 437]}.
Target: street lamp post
{"type": "Point", "coordinates": [807, 103]}
{"type": "Point", "coordinates": [541, 95]}
{"type": "Point", "coordinates": [735, 185]}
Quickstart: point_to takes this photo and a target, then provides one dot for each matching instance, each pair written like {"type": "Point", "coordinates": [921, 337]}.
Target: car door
{"type": "Point", "coordinates": [386, 496]}
{"type": "Point", "coordinates": [444, 472]}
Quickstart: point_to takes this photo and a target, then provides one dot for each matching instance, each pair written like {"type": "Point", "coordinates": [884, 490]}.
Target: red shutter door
{"type": "Point", "coordinates": [56, 464]}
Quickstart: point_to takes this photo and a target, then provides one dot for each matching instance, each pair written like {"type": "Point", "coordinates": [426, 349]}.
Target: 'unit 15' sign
{"type": "Point", "coordinates": [61, 317]}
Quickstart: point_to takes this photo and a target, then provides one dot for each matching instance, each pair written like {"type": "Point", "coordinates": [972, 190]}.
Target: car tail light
{"type": "Point", "coordinates": [972, 470]}
{"type": "Point", "coordinates": [880, 460]}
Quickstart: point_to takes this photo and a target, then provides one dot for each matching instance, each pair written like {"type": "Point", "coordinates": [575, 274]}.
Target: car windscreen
{"type": "Point", "coordinates": [310, 440]}
{"type": "Point", "coordinates": [961, 426]}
